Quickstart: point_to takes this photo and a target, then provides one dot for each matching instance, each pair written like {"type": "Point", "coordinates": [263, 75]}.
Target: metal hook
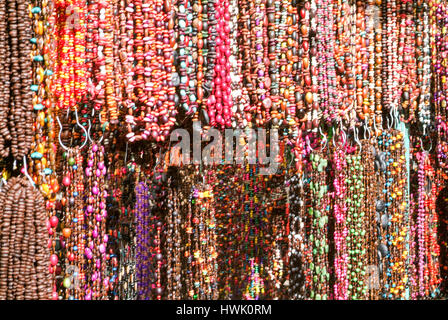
{"type": "Point", "coordinates": [308, 143]}
{"type": "Point", "coordinates": [344, 135]}
{"type": "Point", "coordinates": [25, 172]}
{"type": "Point", "coordinates": [291, 160]}
{"type": "Point", "coordinates": [324, 139]}
{"type": "Point", "coordinates": [366, 129]}
{"type": "Point", "coordinates": [157, 160]}
{"type": "Point", "coordinates": [388, 122]}
{"type": "Point", "coordinates": [59, 135]}
{"type": "Point", "coordinates": [126, 155]}
{"type": "Point", "coordinates": [396, 116]}
{"type": "Point", "coordinates": [88, 131]}
{"type": "Point", "coordinates": [84, 129]}
{"type": "Point", "coordinates": [332, 139]}
{"type": "Point", "coordinates": [421, 145]}
{"type": "Point", "coordinates": [374, 126]}
{"type": "Point", "coordinates": [77, 122]}
{"type": "Point", "coordinates": [355, 133]}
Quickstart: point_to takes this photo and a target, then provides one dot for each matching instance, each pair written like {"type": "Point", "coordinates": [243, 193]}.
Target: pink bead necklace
{"type": "Point", "coordinates": [340, 233]}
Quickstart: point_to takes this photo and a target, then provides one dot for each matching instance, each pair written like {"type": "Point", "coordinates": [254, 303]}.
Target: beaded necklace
{"type": "Point", "coordinates": [378, 70]}
{"type": "Point", "coordinates": [274, 9]}
{"type": "Point", "coordinates": [362, 65]}
{"type": "Point", "coordinates": [220, 100]}
{"type": "Point", "coordinates": [142, 234]}
{"type": "Point", "coordinates": [297, 238]}
{"type": "Point", "coordinates": [340, 229]}
{"type": "Point", "coordinates": [95, 213]}
{"type": "Point", "coordinates": [395, 219]}
{"type": "Point", "coordinates": [173, 240]}
{"type": "Point", "coordinates": [406, 51]}
{"type": "Point", "coordinates": [43, 147]}
{"type": "Point", "coordinates": [72, 225]}
{"type": "Point", "coordinates": [312, 97]}
{"type": "Point", "coordinates": [438, 14]}
{"type": "Point", "coordinates": [16, 88]}
{"type": "Point", "coordinates": [70, 74]}
{"type": "Point", "coordinates": [319, 265]}
{"type": "Point", "coordinates": [152, 112]}
{"type": "Point", "coordinates": [371, 181]}
{"type": "Point", "coordinates": [356, 239]}
{"type": "Point", "coordinates": [25, 257]}
{"type": "Point", "coordinates": [424, 65]}
{"type": "Point", "coordinates": [426, 223]}
{"type": "Point", "coordinates": [240, 98]}
{"type": "Point", "coordinates": [391, 65]}
{"type": "Point", "coordinates": [184, 32]}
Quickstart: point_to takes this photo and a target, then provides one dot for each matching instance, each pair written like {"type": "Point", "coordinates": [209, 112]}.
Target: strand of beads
{"type": "Point", "coordinates": [173, 241]}
{"type": "Point", "coordinates": [16, 91]}
{"type": "Point", "coordinates": [318, 238]}
{"type": "Point", "coordinates": [240, 98]}
{"type": "Point", "coordinates": [356, 239]}
{"type": "Point", "coordinates": [370, 185]}
{"type": "Point", "coordinates": [424, 65]}
{"type": "Point", "coordinates": [275, 11]}
{"type": "Point", "coordinates": [396, 217]}
{"type": "Point", "coordinates": [207, 237]}
{"type": "Point", "coordinates": [362, 65]}
{"type": "Point", "coordinates": [200, 10]}
{"type": "Point", "coordinates": [43, 146]}
{"type": "Point", "coordinates": [312, 96]}
{"type": "Point", "coordinates": [127, 56]}
{"type": "Point", "coordinates": [92, 49]}
{"type": "Point", "coordinates": [227, 192]}
{"type": "Point", "coordinates": [260, 72]}
{"type": "Point", "coordinates": [408, 81]}
{"type": "Point", "coordinates": [95, 215]}
{"type": "Point", "coordinates": [219, 104]}
{"type": "Point", "coordinates": [427, 221]}
{"type": "Point", "coordinates": [106, 23]}
{"type": "Point", "coordinates": [184, 57]}
{"type": "Point", "coordinates": [378, 67]}
{"type": "Point", "coordinates": [371, 12]}
{"type": "Point", "coordinates": [298, 244]}
{"type": "Point", "coordinates": [25, 257]}
{"type": "Point", "coordinates": [142, 233]}
{"type": "Point", "coordinates": [149, 238]}
{"type": "Point", "coordinates": [283, 115]}
{"type": "Point", "coordinates": [391, 65]}
{"type": "Point", "coordinates": [72, 218]}
{"type": "Point", "coordinates": [438, 22]}
{"type": "Point", "coordinates": [69, 56]}
{"type": "Point", "coordinates": [152, 113]}
{"type": "Point", "coordinates": [340, 230]}
{"type": "Point", "coordinates": [4, 85]}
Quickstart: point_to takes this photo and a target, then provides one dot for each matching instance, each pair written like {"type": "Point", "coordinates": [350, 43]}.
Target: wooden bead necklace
{"type": "Point", "coordinates": [25, 256]}
{"type": "Point", "coordinates": [16, 87]}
